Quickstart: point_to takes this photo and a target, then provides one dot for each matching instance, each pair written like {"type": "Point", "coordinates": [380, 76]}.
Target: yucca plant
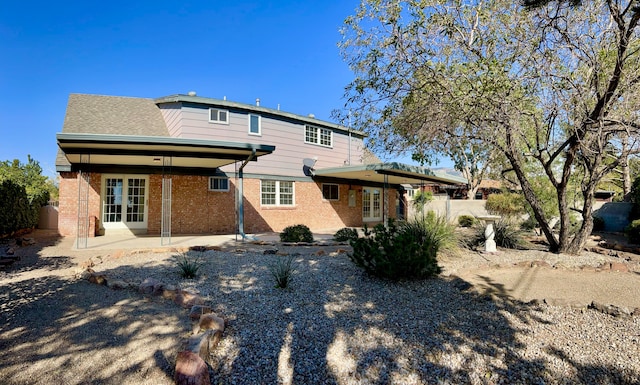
{"type": "Point", "coordinates": [189, 264]}
{"type": "Point", "coordinates": [282, 270]}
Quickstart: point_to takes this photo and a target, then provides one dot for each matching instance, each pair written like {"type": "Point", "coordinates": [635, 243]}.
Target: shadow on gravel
{"type": "Point", "coordinates": [55, 330]}
{"type": "Point", "coordinates": [335, 325]}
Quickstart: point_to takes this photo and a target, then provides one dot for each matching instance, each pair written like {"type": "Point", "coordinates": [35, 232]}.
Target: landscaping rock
{"type": "Point", "coordinates": [202, 344]}
{"type": "Point", "coordinates": [169, 292]}
{"type": "Point", "coordinates": [117, 284]}
{"type": "Point", "coordinates": [612, 310]}
{"type": "Point", "coordinates": [539, 263]}
{"type": "Point", "coordinates": [211, 322]}
{"type": "Point", "coordinates": [619, 266]}
{"type": "Point", "coordinates": [26, 242]}
{"type": "Point", "coordinates": [270, 251]}
{"type": "Point", "coordinates": [187, 299]}
{"type": "Point", "coordinates": [191, 370]}
{"type": "Point", "coordinates": [148, 286]}
{"type": "Point", "coordinates": [197, 311]}
{"type": "Point", "coordinates": [98, 279]}
{"type": "Point", "coordinates": [87, 264]}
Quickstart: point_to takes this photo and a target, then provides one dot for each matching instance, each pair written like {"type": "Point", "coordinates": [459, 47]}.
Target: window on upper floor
{"type": "Point", "coordinates": [217, 183]}
{"type": "Point", "coordinates": [217, 115]}
{"type": "Point", "coordinates": [317, 135]}
{"type": "Point", "coordinates": [330, 192]}
{"type": "Point", "coordinates": [255, 125]}
{"type": "Point", "coordinates": [276, 193]}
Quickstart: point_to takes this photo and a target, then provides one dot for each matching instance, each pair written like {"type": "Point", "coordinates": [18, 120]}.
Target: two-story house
{"type": "Point", "coordinates": [185, 164]}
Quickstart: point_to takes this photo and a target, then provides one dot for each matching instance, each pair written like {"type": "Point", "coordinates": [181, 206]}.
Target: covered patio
{"type": "Point", "coordinates": [96, 153]}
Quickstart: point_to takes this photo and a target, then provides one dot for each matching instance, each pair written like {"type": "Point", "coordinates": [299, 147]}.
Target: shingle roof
{"type": "Point", "coordinates": [98, 114]}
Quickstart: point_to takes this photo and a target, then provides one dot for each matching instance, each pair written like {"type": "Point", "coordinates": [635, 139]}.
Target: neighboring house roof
{"type": "Point", "coordinates": [490, 184]}
{"type": "Point", "coordinates": [179, 98]}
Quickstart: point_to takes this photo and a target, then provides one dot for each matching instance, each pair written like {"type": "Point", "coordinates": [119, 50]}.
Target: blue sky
{"type": "Point", "coordinates": [283, 52]}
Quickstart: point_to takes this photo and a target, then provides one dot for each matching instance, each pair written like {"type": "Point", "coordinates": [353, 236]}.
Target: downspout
{"type": "Point", "coordinates": [240, 196]}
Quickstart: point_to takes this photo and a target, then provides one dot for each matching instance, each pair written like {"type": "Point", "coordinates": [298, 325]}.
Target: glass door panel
{"type": "Point", "coordinates": [124, 202]}
{"type": "Point", "coordinates": [112, 203]}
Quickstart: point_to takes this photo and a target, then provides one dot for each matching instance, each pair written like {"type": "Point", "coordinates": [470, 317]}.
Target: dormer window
{"type": "Point", "coordinates": [217, 115]}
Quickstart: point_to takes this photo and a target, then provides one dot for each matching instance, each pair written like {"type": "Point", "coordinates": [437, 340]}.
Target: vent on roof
{"type": "Point", "coordinates": [312, 116]}
{"type": "Point", "coordinates": [192, 93]}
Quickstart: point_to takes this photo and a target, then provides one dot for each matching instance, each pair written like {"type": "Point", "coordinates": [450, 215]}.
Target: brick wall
{"type": "Point", "coordinates": [196, 210]}
{"type": "Point", "coordinates": [68, 202]}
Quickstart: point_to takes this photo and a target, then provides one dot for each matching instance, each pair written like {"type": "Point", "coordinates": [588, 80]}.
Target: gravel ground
{"type": "Point", "coordinates": [333, 325]}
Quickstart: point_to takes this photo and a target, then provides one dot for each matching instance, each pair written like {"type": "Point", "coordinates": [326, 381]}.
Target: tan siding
{"type": "Point", "coordinates": [288, 138]}
{"type": "Point", "coordinates": [173, 118]}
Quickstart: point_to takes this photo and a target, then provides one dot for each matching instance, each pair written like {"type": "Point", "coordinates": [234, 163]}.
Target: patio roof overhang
{"type": "Point", "coordinates": [151, 151]}
{"type": "Point", "coordinates": [391, 173]}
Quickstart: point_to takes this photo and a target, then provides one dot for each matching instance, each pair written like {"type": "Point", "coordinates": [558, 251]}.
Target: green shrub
{"type": "Point", "coordinates": [466, 220]}
{"type": "Point", "coordinates": [633, 232]}
{"type": "Point", "coordinates": [505, 204]}
{"type": "Point", "coordinates": [345, 234]}
{"type": "Point", "coordinates": [598, 224]}
{"type": "Point", "coordinates": [296, 233]}
{"type": "Point", "coordinates": [282, 271]}
{"type": "Point", "coordinates": [408, 251]}
{"type": "Point", "coordinates": [189, 263]}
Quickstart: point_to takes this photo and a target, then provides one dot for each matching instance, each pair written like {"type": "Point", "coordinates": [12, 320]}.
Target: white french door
{"type": "Point", "coordinates": [124, 201]}
{"type": "Point", "coordinates": [371, 204]}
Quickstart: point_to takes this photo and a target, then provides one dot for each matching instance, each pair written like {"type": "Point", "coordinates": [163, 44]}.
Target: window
{"type": "Point", "coordinates": [317, 135]}
{"type": "Point", "coordinates": [217, 183]}
{"type": "Point", "coordinates": [254, 125]}
{"type": "Point", "coordinates": [218, 116]}
{"type": "Point", "coordinates": [330, 192]}
{"type": "Point", "coordinates": [276, 193]}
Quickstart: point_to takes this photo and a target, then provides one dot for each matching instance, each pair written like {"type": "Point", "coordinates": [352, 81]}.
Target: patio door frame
{"type": "Point", "coordinates": [371, 203]}
{"type": "Point", "coordinates": [123, 224]}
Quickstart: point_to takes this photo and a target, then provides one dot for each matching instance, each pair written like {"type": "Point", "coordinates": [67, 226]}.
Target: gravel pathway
{"type": "Point", "coordinates": [333, 325]}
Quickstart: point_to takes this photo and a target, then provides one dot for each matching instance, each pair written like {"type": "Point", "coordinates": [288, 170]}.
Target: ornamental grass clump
{"type": "Point", "coordinates": [407, 251]}
{"type": "Point", "coordinates": [188, 264]}
{"type": "Point", "coordinates": [282, 270]}
{"type": "Point", "coordinates": [506, 235]}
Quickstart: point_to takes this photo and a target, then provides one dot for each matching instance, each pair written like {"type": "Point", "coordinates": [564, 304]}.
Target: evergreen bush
{"type": "Point", "coordinates": [633, 232]}
{"type": "Point", "coordinates": [296, 233]}
{"type": "Point", "coordinates": [408, 251]}
{"type": "Point", "coordinates": [345, 234]}
{"type": "Point", "coordinates": [598, 224]}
